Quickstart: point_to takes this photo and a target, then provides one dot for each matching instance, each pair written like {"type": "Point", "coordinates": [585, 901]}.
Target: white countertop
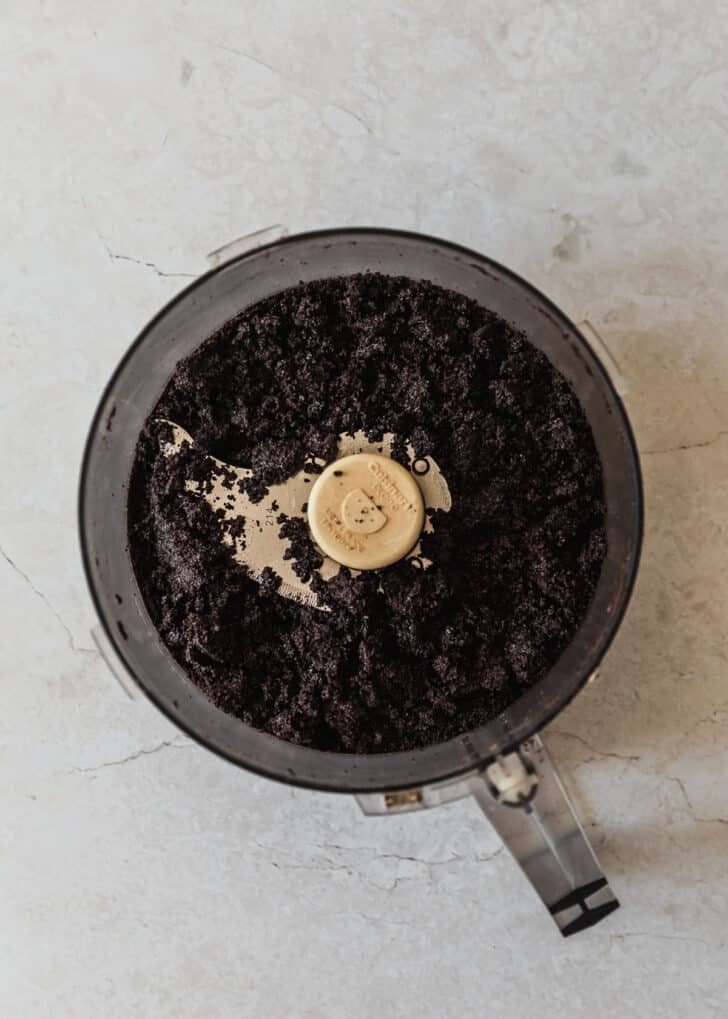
{"type": "Point", "coordinates": [585, 146]}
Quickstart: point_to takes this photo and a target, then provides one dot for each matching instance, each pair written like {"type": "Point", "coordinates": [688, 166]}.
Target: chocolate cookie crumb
{"type": "Point", "coordinates": [403, 657]}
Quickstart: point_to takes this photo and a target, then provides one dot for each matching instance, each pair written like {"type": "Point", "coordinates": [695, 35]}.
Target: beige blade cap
{"type": "Point", "coordinates": [366, 511]}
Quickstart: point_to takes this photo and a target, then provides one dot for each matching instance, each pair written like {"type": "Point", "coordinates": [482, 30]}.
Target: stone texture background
{"type": "Point", "coordinates": [585, 146]}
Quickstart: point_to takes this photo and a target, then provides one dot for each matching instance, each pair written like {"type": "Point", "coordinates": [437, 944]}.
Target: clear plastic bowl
{"type": "Point", "coordinates": [134, 389]}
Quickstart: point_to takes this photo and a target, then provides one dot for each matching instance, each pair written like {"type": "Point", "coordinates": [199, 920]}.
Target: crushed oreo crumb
{"type": "Point", "coordinates": [404, 657]}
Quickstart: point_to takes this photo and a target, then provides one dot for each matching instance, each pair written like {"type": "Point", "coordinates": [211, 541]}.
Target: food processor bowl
{"type": "Point", "coordinates": [130, 397]}
{"type": "Point", "coordinates": [136, 386]}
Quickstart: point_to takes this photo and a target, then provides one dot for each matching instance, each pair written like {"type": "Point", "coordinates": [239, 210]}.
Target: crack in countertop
{"type": "Point", "coordinates": [689, 804]}
{"type": "Point", "coordinates": [632, 760]}
{"type": "Point", "coordinates": [304, 89]}
{"type": "Point", "coordinates": [326, 864]}
{"type": "Point", "coordinates": [54, 612]}
{"type": "Point", "coordinates": [617, 935]}
{"type": "Point", "coordinates": [249, 56]}
{"type": "Point", "coordinates": [148, 265]}
{"type": "Point", "coordinates": [144, 752]}
{"type": "Point", "coordinates": [684, 446]}
{"type": "Point", "coordinates": [118, 257]}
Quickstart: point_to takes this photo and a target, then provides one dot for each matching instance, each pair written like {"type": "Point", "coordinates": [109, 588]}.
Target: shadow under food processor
{"type": "Point", "coordinates": [503, 764]}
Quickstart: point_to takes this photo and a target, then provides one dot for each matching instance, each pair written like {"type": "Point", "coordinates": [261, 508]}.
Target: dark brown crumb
{"type": "Point", "coordinates": [406, 657]}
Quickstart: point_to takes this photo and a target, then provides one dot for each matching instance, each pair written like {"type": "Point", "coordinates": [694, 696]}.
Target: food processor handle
{"type": "Point", "coordinates": [524, 799]}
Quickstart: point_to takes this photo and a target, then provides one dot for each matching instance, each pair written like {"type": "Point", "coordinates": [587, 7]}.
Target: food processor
{"type": "Point", "coordinates": [503, 764]}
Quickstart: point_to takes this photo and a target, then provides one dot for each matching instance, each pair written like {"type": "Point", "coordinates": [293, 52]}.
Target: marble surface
{"type": "Point", "coordinates": [585, 146]}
